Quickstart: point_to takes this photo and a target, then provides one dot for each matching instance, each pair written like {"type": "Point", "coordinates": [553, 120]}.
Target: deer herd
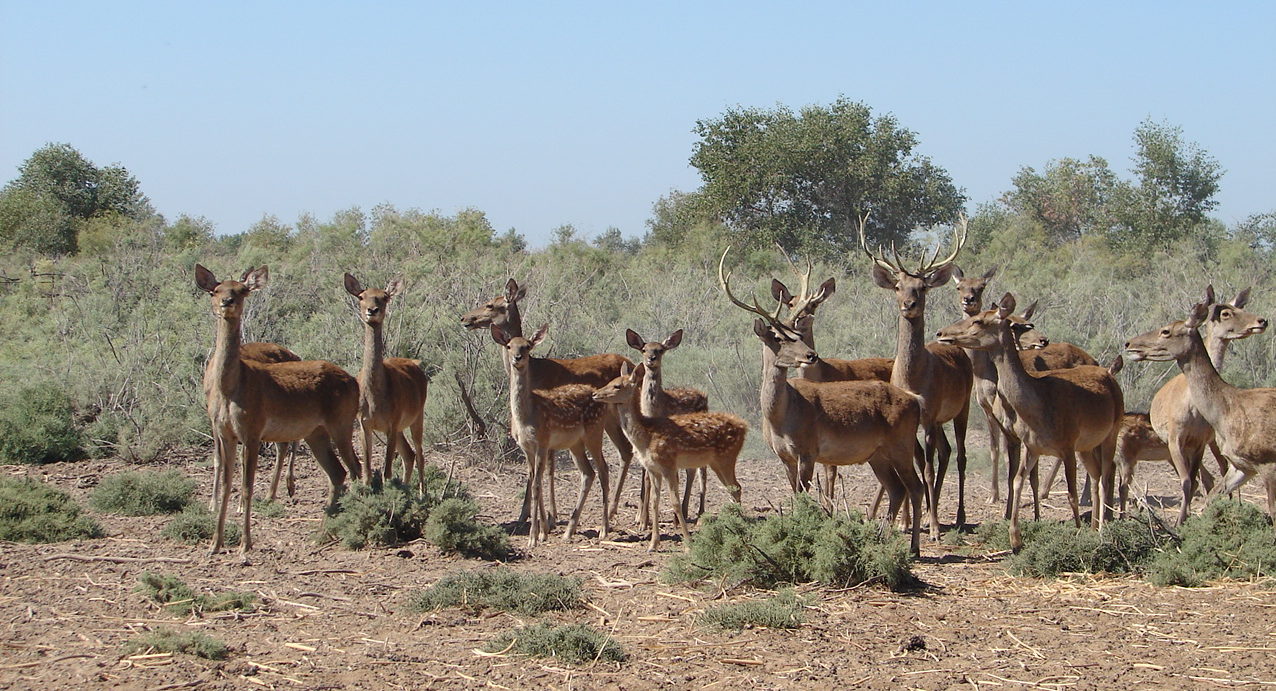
{"type": "Point", "coordinates": [1039, 399]}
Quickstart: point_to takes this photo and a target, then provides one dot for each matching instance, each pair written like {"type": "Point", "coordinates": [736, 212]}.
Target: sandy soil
{"type": "Point", "coordinates": [337, 619]}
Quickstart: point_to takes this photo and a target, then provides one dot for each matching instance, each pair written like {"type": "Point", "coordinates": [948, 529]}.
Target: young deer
{"type": "Point", "coordinates": [657, 401]}
{"type": "Point", "coordinates": [1174, 414]}
{"type": "Point", "coordinates": [834, 423]}
{"type": "Point", "coordinates": [1243, 419]}
{"type": "Point", "coordinates": [1059, 412]}
{"type": "Point", "coordinates": [543, 420]}
{"type": "Point", "coordinates": [392, 391]}
{"type": "Point", "coordinates": [547, 373]}
{"type": "Point", "coordinates": [250, 402]}
{"type": "Point", "coordinates": [940, 373]}
{"type": "Point", "coordinates": [666, 444]}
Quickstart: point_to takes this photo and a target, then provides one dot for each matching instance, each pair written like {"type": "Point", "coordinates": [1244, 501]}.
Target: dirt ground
{"type": "Point", "coordinates": [332, 618]}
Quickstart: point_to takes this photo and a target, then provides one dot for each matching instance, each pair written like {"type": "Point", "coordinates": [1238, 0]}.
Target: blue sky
{"type": "Point", "coordinates": [548, 113]}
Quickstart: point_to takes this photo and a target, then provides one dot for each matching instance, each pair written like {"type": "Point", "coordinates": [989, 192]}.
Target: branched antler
{"type": "Point", "coordinates": [924, 266]}
{"type": "Point", "coordinates": [724, 282]}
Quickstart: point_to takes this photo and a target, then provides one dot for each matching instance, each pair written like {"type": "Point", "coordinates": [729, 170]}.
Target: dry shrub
{"type": "Point", "coordinates": [784, 610]}
{"type": "Point", "coordinates": [143, 493]}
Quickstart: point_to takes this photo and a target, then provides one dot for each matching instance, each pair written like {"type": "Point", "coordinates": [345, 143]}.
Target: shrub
{"type": "Point", "coordinates": [571, 643]}
{"type": "Point", "coordinates": [1051, 548]}
{"type": "Point", "coordinates": [31, 511]}
{"type": "Point", "coordinates": [784, 610]}
{"type": "Point", "coordinates": [267, 508]}
{"type": "Point", "coordinates": [454, 528]}
{"type": "Point", "coordinates": [1230, 539]}
{"type": "Point", "coordinates": [188, 643]}
{"type": "Point", "coordinates": [37, 426]}
{"type": "Point", "coordinates": [143, 493]}
{"type": "Point", "coordinates": [501, 589]}
{"type": "Point", "coordinates": [177, 598]}
{"type": "Point", "coordinates": [196, 524]}
{"type": "Point", "coordinates": [806, 544]}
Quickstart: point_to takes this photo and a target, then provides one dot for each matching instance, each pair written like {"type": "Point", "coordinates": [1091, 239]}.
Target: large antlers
{"type": "Point", "coordinates": [924, 267]}
{"type": "Point", "coordinates": [724, 281]}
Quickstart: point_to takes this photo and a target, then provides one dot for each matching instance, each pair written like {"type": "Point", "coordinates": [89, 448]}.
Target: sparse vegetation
{"type": "Point", "coordinates": [143, 493]}
{"type": "Point", "coordinates": [1230, 539]}
{"type": "Point", "coordinates": [196, 524]}
{"type": "Point", "coordinates": [184, 642]}
{"type": "Point", "coordinates": [571, 643]}
{"type": "Point", "coordinates": [177, 598]}
{"type": "Point", "coordinates": [806, 544]}
{"type": "Point", "coordinates": [267, 508]}
{"type": "Point", "coordinates": [501, 589]}
{"type": "Point", "coordinates": [784, 610]}
{"type": "Point", "coordinates": [31, 511]}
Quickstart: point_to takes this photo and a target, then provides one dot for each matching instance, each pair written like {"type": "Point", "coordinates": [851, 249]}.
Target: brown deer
{"type": "Point", "coordinates": [1059, 412]}
{"type": "Point", "coordinates": [1173, 414]}
{"type": "Point", "coordinates": [666, 444]}
{"type": "Point", "coordinates": [548, 373]}
{"type": "Point", "coordinates": [250, 402]}
{"type": "Point", "coordinates": [392, 391]}
{"type": "Point", "coordinates": [656, 401]}
{"type": "Point", "coordinates": [1243, 419]}
{"type": "Point", "coordinates": [542, 420]}
{"type": "Point", "coordinates": [940, 373]}
{"type": "Point", "coordinates": [834, 423]}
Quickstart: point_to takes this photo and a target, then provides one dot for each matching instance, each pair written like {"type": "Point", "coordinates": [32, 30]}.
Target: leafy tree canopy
{"type": "Point", "coordinates": [804, 179]}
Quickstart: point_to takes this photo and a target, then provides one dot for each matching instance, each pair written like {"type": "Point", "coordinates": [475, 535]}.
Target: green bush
{"type": "Point", "coordinates": [177, 598]}
{"type": "Point", "coordinates": [806, 544]}
{"type": "Point", "coordinates": [502, 589]}
{"type": "Point", "coordinates": [267, 508]}
{"type": "Point", "coordinates": [1230, 539]}
{"type": "Point", "coordinates": [195, 526]}
{"type": "Point", "coordinates": [31, 511]}
{"type": "Point", "coordinates": [1052, 548]}
{"type": "Point", "coordinates": [571, 643]}
{"type": "Point", "coordinates": [784, 610]}
{"type": "Point", "coordinates": [37, 426]}
{"type": "Point", "coordinates": [170, 641]}
{"type": "Point", "coordinates": [454, 528]}
{"type": "Point", "coordinates": [143, 493]}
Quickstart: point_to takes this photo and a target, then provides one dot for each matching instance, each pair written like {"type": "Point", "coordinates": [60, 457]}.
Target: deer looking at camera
{"type": "Point", "coordinates": [834, 423]}
{"type": "Point", "coordinates": [1059, 412]}
{"type": "Point", "coordinates": [250, 402]}
{"type": "Point", "coordinates": [392, 391]}
{"type": "Point", "coordinates": [666, 444]}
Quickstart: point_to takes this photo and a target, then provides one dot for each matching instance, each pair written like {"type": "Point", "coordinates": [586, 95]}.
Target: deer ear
{"type": "Point", "coordinates": [539, 335]}
{"type": "Point", "coordinates": [990, 273]}
{"type": "Point", "coordinates": [1209, 294]}
{"type": "Point", "coordinates": [780, 292]}
{"type": "Point", "coordinates": [625, 369]}
{"type": "Point", "coordinates": [205, 279]}
{"type": "Point", "coordinates": [826, 291]}
{"type": "Point", "coordinates": [940, 276]}
{"type": "Point", "coordinates": [1032, 309]}
{"type": "Point", "coordinates": [1241, 298]}
{"type": "Point", "coordinates": [499, 335]}
{"type": "Point", "coordinates": [958, 274]}
{"type": "Point", "coordinates": [353, 286]}
{"type": "Point", "coordinates": [639, 372]}
{"type": "Point", "coordinates": [762, 330]}
{"type": "Point", "coordinates": [257, 278]}
{"type": "Point", "coordinates": [634, 340]}
{"type": "Point", "coordinates": [394, 287]}
{"type": "Point", "coordinates": [883, 277]}
{"type": "Point", "coordinates": [1199, 311]}
{"type": "Point", "coordinates": [513, 292]}
{"type": "Point", "coordinates": [1006, 307]}
{"type": "Point", "coordinates": [674, 339]}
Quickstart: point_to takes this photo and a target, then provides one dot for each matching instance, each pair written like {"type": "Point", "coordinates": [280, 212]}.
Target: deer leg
{"type": "Point", "coordinates": [704, 487]}
{"type": "Point", "coordinates": [225, 470]}
{"type": "Point", "coordinates": [281, 449]}
{"type": "Point", "coordinates": [1220, 459]}
{"type": "Point", "coordinates": [830, 487]}
{"type": "Point", "coordinates": [367, 450]}
{"type": "Point", "coordinates": [404, 449]}
{"type": "Point", "coordinates": [536, 515]}
{"type": "Point", "coordinates": [686, 491]}
{"type": "Point", "coordinates": [1069, 461]}
{"type": "Point", "coordinates": [290, 484]}
{"type": "Point", "coordinates": [547, 474]}
{"type": "Point", "coordinates": [995, 440]}
{"type": "Point", "coordinates": [219, 455]}
{"type": "Point", "coordinates": [586, 471]}
{"type": "Point", "coordinates": [654, 494]}
{"type": "Point", "coordinates": [933, 479]}
{"type": "Point", "coordinates": [611, 425]}
{"type": "Point", "coordinates": [672, 478]}
{"type": "Point", "coordinates": [959, 436]}
{"type": "Point", "coordinates": [1269, 482]}
{"type": "Point", "coordinates": [1016, 536]}
{"type": "Point", "coordinates": [1181, 453]}
{"type": "Point", "coordinates": [391, 447]}
{"type": "Point", "coordinates": [1048, 485]}
{"type": "Point", "coordinates": [418, 443]}
{"type": "Point", "coordinates": [644, 499]}
{"type": "Point", "coordinates": [600, 468]}
{"type": "Point", "coordinates": [248, 474]}
{"type": "Point", "coordinates": [321, 446]}
{"type": "Point", "coordinates": [1014, 453]}
{"type": "Point", "coordinates": [806, 471]}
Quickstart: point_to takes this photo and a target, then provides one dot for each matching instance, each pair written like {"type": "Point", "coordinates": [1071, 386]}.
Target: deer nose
{"type": "Point", "coordinates": [226, 302]}
{"type": "Point", "coordinates": [1127, 345]}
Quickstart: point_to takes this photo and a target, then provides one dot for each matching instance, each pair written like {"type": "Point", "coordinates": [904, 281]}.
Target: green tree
{"type": "Point", "coordinates": [1176, 184]}
{"type": "Point", "coordinates": [56, 190]}
{"type": "Point", "coordinates": [1069, 198]}
{"type": "Point", "coordinates": [804, 179]}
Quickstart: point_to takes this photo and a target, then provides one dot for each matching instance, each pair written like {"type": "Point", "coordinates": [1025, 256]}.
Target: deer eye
{"type": "Point", "coordinates": [1165, 333]}
{"type": "Point", "coordinates": [1226, 314]}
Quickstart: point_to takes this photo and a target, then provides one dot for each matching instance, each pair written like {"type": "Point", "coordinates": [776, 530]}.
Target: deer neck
{"type": "Point", "coordinates": [633, 421]}
{"type": "Point", "coordinates": [982, 364]}
{"type": "Point", "coordinates": [775, 390]}
{"type": "Point", "coordinates": [521, 409]}
{"type": "Point", "coordinates": [651, 401]}
{"type": "Point", "coordinates": [372, 375]}
{"type": "Point", "coordinates": [1215, 346]}
{"type": "Point", "coordinates": [513, 320]}
{"type": "Point", "coordinates": [1210, 394]}
{"type": "Point", "coordinates": [1013, 381]}
{"type": "Point", "coordinates": [911, 358]}
{"type": "Point", "coordinates": [225, 368]}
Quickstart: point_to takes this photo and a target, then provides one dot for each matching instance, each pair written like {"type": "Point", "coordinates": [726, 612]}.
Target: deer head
{"type": "Point", "coordinates": [518, 349]}
{"type": "Point", "coordinates": [622, 388]}
{"type": "Point", "coordinates": [1174, 341]}
{"type": "Point", "coordinates": [980, 331]}
{"type": "Point", "coordinates": [1229, 321]}
{"type": "Point", "coordinates": [372, 302]}
{"type": "Point", "coordinates": [911, 285]}
{"type": "Point", "coordinates": [228, 296]}
{"type": "Point", "coordinates": [804, 302]}
{"type": "Point", "coordinates": [494, 311]}
{"type": "Point", "coordinates": [652, 352]}
{"type": "Point", "coordinates": [970, 291]}
{"type": "Point", "coordinates": [784, 341]}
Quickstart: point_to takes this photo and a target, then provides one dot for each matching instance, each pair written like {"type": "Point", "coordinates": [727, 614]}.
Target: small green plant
{"type": "Point", "coordinates": [453, 527]}
{"type": "Point", "coordinates": [1230, 539]}
{"type": "Point", "coordinates": [571, 643]}
{"type": "Point", "coordinates": [784, 610]}
{"type": "Point", "coordinates": [177, 598]}
{"type": "Point", "coordinates": [267, 508]}
{"type": "Point", "coordinates": [1052, 548]}
{"type": "Point", "coordinates": [170, 641]}
{"type": "Point", "coordinates": [37, 425]}
{"type": "Point", "coordinates": [502, 589]}
{"type": "Point", "coordinates": [195, 525]}
{"type": "Point", "coordinates": [806, 544]}
{"type": "Point", "coordinates": [31, 511]}
{"type": "Point", "coordinates": [143, 493]}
